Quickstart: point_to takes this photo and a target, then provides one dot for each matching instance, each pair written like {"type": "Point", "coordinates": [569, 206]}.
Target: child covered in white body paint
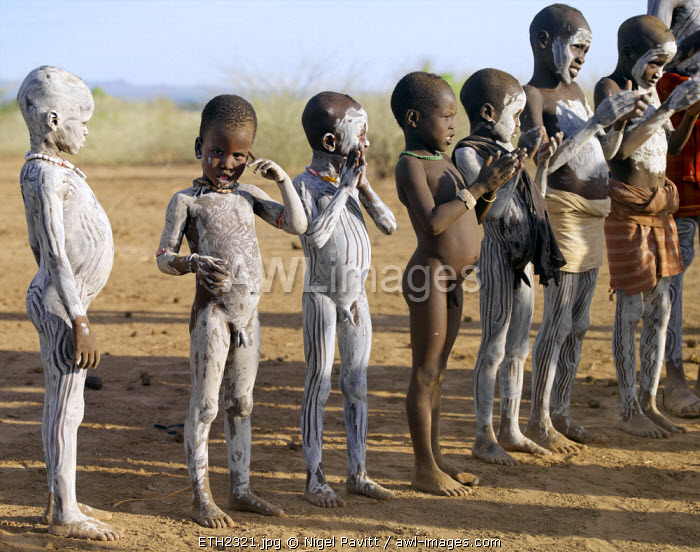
{"type": "Point", "coordinates": [517, 234]}
{"type": "Point", "coordinates": [641, 235]}
{"type": "Point", "coordinates": [338, 253]}
{"type": "Point", "coordinates": [217, 215]}
{"type": "Point", "coordinates": [577, 203]}
{"type": "Point", "coordinates": [71, 238]}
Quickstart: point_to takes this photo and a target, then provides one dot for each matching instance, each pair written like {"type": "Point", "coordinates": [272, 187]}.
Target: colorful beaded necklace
{"type": "Point", "coordinates": [326, 178]}
{"type": "Point", "coordinates": [57, 160]}
{"type": "Point", "coordinates": [435, 157]}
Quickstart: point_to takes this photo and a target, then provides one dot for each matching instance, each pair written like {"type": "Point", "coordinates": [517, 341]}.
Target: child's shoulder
{"type": "Point", "coordinates": [251, 191]}
{"type": "Point", "coordinates": [606, 86]}
{"type": "Point", "coordinates": [407, 167]}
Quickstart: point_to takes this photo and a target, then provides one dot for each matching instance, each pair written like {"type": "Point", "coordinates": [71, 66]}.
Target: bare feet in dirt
{"type": "Point", "coordinates": [210, 515]}
{"type": "Point", "coordinates": [437, 482]}
{"type": "Point", "coordinates": [546, 436]}
{"type": "Point", "coordinates": [463, 477]}
{"type": "Point", "coordinates": [571, 430]}
{"type": "Point", "coordinates": [641, 426]}
{"type": "Point", "coordinates": [363, 485]}
{"type": "Point", "coordinates": [89, 528]}
{"type": "Point", "coordinates": [324, 496]}
{"type": "Point", "coordinates": [248, 502]}
{"type": "Point", "coordinates": [490, 451]}
{"type": "Point", "coordinates": [89, 511]}
{"type": "Point", "coordinates": [517, 442]}
{"type": "Point", "coordinates": [651, 412]}
{"type": "Point", "coordinates": [681, 402]}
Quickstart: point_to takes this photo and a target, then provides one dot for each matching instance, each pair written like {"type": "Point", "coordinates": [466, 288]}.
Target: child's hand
{"type": "Point", "coordinates": [499, 169]}
{"type": "Point", "coordinates": [532, 139]}
{"type": "Point", "coordinates": [268, 169]}
{"type": "Point", "coordinates": [624, 105]}
{"type": "Point", "coordinates": [639, 108]}
{"type": "Point", "coordinates": [86, 353]}
{"type": "Point", "coordinates": [683, 96]}
{"type": "Point", "coordinates": [211, 272]}
{"type": "Point", "coordinates": [548, 148]}
{"type": "Point", "coordinates": [353, 168]}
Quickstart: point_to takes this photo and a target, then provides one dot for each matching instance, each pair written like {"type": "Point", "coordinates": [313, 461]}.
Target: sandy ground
{"type": "Point", "coordinates": [625, 493]}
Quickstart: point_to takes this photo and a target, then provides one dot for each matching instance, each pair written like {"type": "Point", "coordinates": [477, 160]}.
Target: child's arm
{"type": "Point", "coordinates": [612, 140]}
{"type": "Point", "coordinates": [544, 154]}
{"type": "Point", "coordinates": [375, 207]}
{"type": "Point", "coordinates": [212, 272]}
{"type": "Point", "coordinates": [290, 217]}
{"type": "Point", "coordinates": [50, 238]}
{"type": "Point", "coordinates": [679, 137]}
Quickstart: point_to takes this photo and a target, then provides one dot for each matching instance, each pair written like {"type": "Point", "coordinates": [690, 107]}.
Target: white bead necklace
{"type": "Point", "coordinates": [57, 160]}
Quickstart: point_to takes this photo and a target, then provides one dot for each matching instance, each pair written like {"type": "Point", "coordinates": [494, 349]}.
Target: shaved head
{"type": "Point", "coordinates": [487, 86]}
{"type": "Point", "coordinates": [322, 114]}
{"type": "Point", "coordinates": [643, 33]}
{"type": "Point", "coordinates": [557, 20]}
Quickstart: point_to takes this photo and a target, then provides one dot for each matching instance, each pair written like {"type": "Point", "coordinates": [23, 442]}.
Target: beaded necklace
{"type": "Point", "coordinates": [326, 178]}
{"type": "Point", "coordinates": [57, 160]}
{"type": "Point", "coordinates": [219, 190]}
{"type": "Point", "coordinates": [435, 157]}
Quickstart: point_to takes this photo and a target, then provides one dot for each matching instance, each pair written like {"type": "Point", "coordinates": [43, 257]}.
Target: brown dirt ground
{"type": "Point", "coordinates": [626, 493]}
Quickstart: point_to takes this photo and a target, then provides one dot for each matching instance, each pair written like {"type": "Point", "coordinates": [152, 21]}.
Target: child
{"type": "Point", "coordinates": [577, 203]}
{"type": "Point", "coordinates": [444, 215]}
{"type": "Point", "coordinates": [70, 236]}
{"type": "Point", "coordinates": [643, 249]}
{"type": "Point", "coordinates": [338, 254]}
{"type": "Point", "coordinates": [681, 16]}
{"type": "Point", "coordinates": [216, 215]}
{"type": "Point", "coordinates": [517, 234]}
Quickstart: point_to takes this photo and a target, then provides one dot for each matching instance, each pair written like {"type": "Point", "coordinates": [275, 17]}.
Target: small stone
{"type": "Point", "coordinates": [134, 333]}
{"type": "Point", "coordinates": [37, 370]}
{"type": "Point", "coordinates": [594, 403]}
{"type": "Point", "coordinates": [692, 344]}
{"type": "Point", "coordinates": [176, 299]}
{"type": "Point", "coordinates": [694, 358]}
{"type": "Point", "coordinates": [127, 314]}
{"type": "Point", "coordinates": [468, 319]}
{"type": "Point", "coordinates": [291, 445]}
{"type": "Point", "coordinates": [280, 359]}
{"type": "Point", "coordinates": [296, 245]}
{"type": "Point", "coordinates": [28, 383]}
{"type": "Point", "coordinates": [93, 382]}
{"type": "Point", "coordinates": [179, 435]}
{"type": "Point", "coordinates": [590, 379]}
{"type": "Point", "coordinates": [611, 383]}
{"type": "Point", "coordinates": [145, 379]}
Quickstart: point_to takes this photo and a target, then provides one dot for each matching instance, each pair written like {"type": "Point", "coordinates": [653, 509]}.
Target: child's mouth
{"type": "Point", "coordinates": [573, 71]}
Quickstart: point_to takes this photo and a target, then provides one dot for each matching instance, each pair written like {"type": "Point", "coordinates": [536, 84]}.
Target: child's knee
{"type": "Point", "coordinates": [631, 308]}
{"type": "Point", "coordinates": [207, 411]}
{"type": "Point", "coordinates": [239, 407]}
{"type": "Point", "coordinates": [354, 387]}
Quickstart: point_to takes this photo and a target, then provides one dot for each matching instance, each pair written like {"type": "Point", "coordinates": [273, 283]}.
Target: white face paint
{"type": "Point", "coordinates": [589, 162]}
{"type": "Point", "coordinates": [349, 128]}
{"type": "Point", "coordinates": [561, 49]}
{"type": "Point", "coordinates": [666, 50]}
{"type": "Point", "coordinates": [509, 121]}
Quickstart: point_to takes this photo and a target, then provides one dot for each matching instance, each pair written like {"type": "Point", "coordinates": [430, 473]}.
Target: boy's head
{"type": "Point", "coordinates": [56, 105]}
{"type": "Point", "coordinates": [493, 101]}
{"type": "Point", "coordinates": [225, 139]}
{"type": "Point", "coordinates": [645, 45]}
{"type": "Point", "coordinates": [424, 105]}
{"type": "Point", "coordinates": [560, 38]}
{"type": "Point", "coordinates": [334, 123]}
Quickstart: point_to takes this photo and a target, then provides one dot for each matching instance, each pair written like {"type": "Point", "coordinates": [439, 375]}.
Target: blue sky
{"type": "Point", "coordinates": [358, 45]}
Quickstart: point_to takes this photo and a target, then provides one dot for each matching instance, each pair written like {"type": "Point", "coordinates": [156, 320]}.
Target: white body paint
{"type": "Point", "coordinates": [562, 52]}
{"type": "Point", "coordinates": [505, 127]}
{"type": "Point", "coordinates": [652, 154]}
{"type": "Point", "coordinates": [683, 18]}
{"type": "Point", "coordinates": [589, 161]}
{"type": "Point", "coordinates": [668, 50]}
{"type": "Point", "coordinates": [349, 127]}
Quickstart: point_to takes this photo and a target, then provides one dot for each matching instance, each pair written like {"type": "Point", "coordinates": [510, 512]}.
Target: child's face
{"type": "Point", "coordinates": [507, 121]}
{"type": "Point", "coordinates": [649, 67]}
{"type": "Point", "coordinates": [224, 152]}
{"type": "Point", "coordinates": [71, 131]}
{"type": "Point", "coordinates": [569, 52]}
{"type": "Point", "coordinates": [435, 128]}
{"type": "Point", "coordinates": [352, 130]}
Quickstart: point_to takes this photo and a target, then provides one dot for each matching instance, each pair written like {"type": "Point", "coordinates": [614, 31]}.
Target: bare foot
{"type": "Point", "coordinates": [546, 436]}
{"type": "Point", "coordinates": [519, 443]}
{"type": "Point", "coordinates": [363, 485]}
{"type": "Point", "coordinates": [681, 402]}
{"type": "Point", "coordinates": [210, 515]}
{"type": "Point", "coordinates": [641, 426]}
{"type": "Point", "coordinates": [660, 420]}
{"type": "Point", "coordinates": [438, 482]}
{"type": "Point", "coordinates": [89, 511]}
{"type": "Point", "coordinates": [491, 452]}
{"type": "Point", "coordinates": [86, 529]}
{"type": "Point", "coordinates": [465, 478]}
{"type": "Point", "coordinates": [248, 502]}
{"type": "Point", "coordinates": [323, 496]}
{"type": "Point", "coordinates": [570, 429]}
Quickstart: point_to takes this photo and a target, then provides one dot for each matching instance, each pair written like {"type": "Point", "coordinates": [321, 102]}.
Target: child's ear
{"type": "Point", "coordinates": [542, 40]}
{"type": "Point", "coordinates": [52, 119]}
{"type": "Point", "coordinates": [412, 118]}
{"type": "Point", "coordinates": [198, 147]}
{"type": "Point", "coordinates": [329, 142]}
{"type": "Point", "coordinates": [487, 112]}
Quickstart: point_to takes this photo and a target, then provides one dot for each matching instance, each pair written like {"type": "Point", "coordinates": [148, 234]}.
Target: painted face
{"type": "Point", "coordinates": [570, 54]}
{"type": "Point", "coordinates": [352, 130]}
{"type": "Point", "coordinates": [72, 130]}
{"type": "Point", "coordinates": [509, 120]}
{"type": "Point", "coordinates": [649, 67]}
{"type": "Point", "coordinates": [224, 152]}
{"type": "Point", "coordinates": [436, 126]}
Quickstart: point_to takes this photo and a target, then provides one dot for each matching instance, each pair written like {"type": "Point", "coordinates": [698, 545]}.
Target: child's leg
{"type": "Point", "coordinates": [569, 358]}
{"type": "Point", "coordinates": [657, 309]}
{"type": "Point", "coordinates": [239, 378]}
{"type": "Point", "coordinates": [428, 325]}
{"type": "Point", "coordinates": [495, 309]}
{"type": "Point", "coordinates": [628, 311]}
{"type": "Point", "coordinates": [678, 399]}
{"type": "Point", "coordinates": [354, 344]}
{"type": "Point", "coordinates": [62, 414]}
{"type": "Point", "coordinates": [512, 368]}
{"type": "Point", "coordinates": [319, 319]}
{"type": "Point", "coordinates": [209, 343]}
{"type": "Point", "coordinates": [556, 326]}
